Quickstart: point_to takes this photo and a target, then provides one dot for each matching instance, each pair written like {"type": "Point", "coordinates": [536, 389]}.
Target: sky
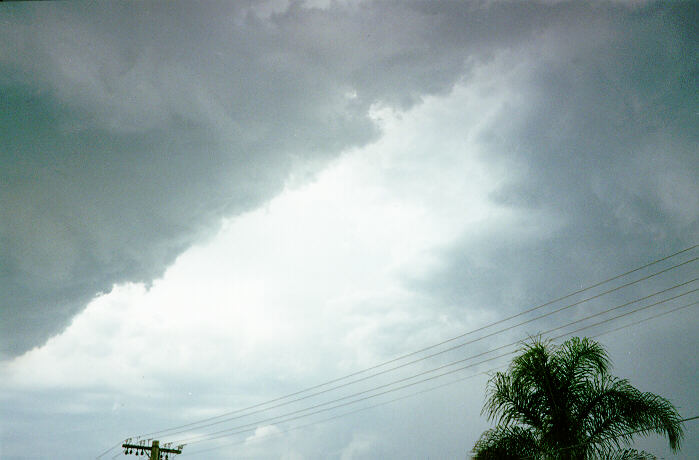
{"type": "Point", "coordinates": [206, 206]}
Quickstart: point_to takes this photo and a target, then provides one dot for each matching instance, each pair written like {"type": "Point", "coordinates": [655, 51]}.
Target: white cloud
{"type": "Point", "coordinates": [262, 433]}
{"type": "Point", "coordinates": [359, 447]}
{"type": "Point", "coordinates": [320, 268]}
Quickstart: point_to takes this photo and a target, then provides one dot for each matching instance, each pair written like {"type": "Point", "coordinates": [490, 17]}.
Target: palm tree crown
{"type": "Point", "coordinates": [559, 402]}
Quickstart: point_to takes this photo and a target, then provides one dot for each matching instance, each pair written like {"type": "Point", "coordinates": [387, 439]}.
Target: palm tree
{"type": "Point", "coordinates": [559, 402]}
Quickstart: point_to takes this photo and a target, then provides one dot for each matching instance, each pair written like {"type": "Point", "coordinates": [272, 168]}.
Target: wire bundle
{"type": "Point", "coordinates": [665, 297]}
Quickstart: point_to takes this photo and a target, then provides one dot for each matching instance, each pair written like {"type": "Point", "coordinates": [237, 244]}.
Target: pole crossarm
{"type": "Point", "coordinates": [142, 447]}
{"type": "Point", "coordinates": [155, 450]}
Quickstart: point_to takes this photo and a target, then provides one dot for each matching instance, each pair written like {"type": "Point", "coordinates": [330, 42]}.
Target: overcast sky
{"type": "Point", "coordinates": [209, 205]}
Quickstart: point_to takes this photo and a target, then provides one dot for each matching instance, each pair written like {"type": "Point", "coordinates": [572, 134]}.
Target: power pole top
{"type": "Point", "coordinates": [154, 449]}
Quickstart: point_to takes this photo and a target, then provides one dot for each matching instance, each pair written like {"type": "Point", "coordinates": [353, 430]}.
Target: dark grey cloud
{"type": "Point", "coordinates": [129, 129]}
{"type": "Point", "coordinates": [601, 144]}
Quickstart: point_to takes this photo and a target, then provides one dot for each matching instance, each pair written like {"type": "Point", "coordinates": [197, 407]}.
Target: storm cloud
{"type": "Point", "coordinates": [209, 204]}
{"type": "Point", "coordinates": [129, 130]}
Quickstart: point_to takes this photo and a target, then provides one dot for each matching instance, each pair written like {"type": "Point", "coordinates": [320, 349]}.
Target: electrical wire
{"type": "Point", "coordinates": [253, 425]}
{"type": "Point", "coordinates": [450, 349]}
{"type": "Point", "coordinates": [214, 435]}
{"type": "Point", "coordinates": [452, 339]}
{"type": "Point", "coordinates": [345, 414]}
{"type": "Point", "coordinates": [108, 450]}
{"type": "Point", "coordinates": [645, 319]}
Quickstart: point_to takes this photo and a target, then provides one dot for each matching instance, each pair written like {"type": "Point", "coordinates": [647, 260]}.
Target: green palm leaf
{"type": "Point", "coordinates": [559, 402]}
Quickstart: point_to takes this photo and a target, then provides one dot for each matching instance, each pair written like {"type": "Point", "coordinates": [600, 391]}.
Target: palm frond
{"type": "Point", "coordinates": [564, 400]}
{"type": "Point", "coordinates": [582, 359]}
{"type": "Point", "coordinates": [626, 454]}
{"type": "Point", "coordinates": [506, 443]}
{"type": "Point", "coordinates": [509, 402]}
{"type": "Point", "coordinates": [620, 411]}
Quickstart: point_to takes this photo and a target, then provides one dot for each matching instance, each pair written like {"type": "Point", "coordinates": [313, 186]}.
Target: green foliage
{"type": "Point", "coordinates": [507, 442]}
{"type": "Point", "coordinates": [559, 402]}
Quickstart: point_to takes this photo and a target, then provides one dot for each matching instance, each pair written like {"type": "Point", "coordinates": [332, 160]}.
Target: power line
{"type": "Point", "coordinates": [109, 450]}
{"type": "Point", "coordinates": [210, 436]}
{"type": "Point", "coordinates": [281, 404]}
{"type": "Point", "coordinates": [329, 382]}
{"type": "Point", "coordinates": [622, 315]}
{"type": "Point", "coordinates": [397, 399]}
{"type": "Point", "coordinates": [294, 415]}
{"type": "Point", "coordinates": [645, 319]}
{"type": "Point", "coordinates": [227, 432]}
{"type": "Point", "coordinates": [455, 338]}
{"type": "Point", "coordinates": [345, 414]}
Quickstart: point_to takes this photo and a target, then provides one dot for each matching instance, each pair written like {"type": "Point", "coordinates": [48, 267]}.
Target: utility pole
{"type": "Point", "coordinates": [156, 452]}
